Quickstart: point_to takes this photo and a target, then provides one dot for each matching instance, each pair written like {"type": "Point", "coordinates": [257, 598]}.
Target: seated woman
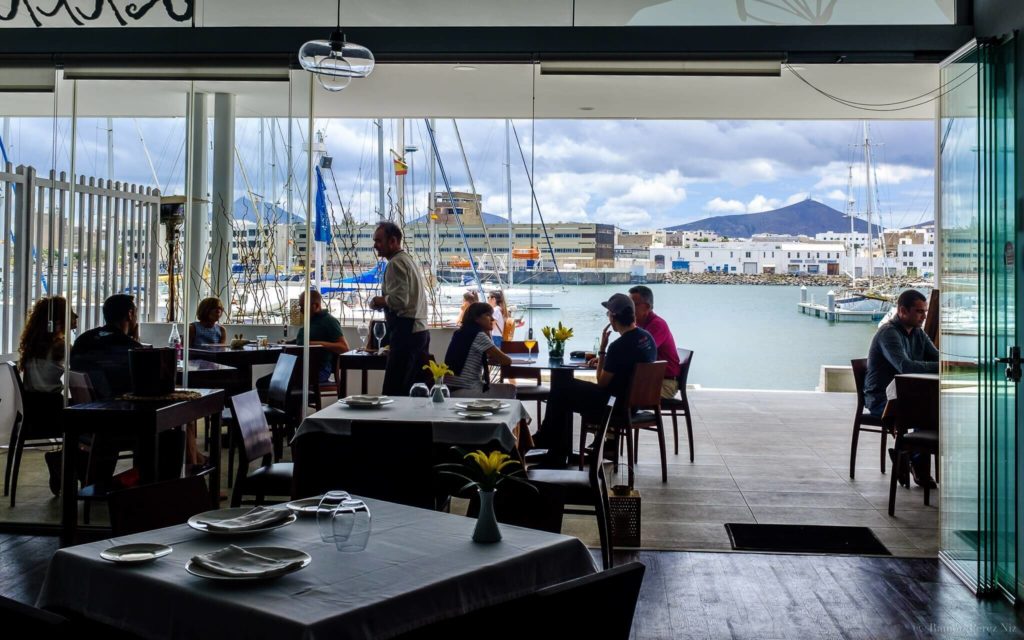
{"type": "Point", "coordinates": [41, 363]}
{"type": "Point", "coordinates": [471, 349]}
{"type": "Point", "coordinates": [207, 329]}
{"type": "Point", "coordinates": [468, 298]}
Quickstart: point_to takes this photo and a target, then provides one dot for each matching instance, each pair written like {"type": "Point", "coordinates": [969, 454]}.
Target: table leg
{"type": "Point", "coordinates": [213, 423]}
{"type": "Point", "coordinates": [342, 382]}
{"type": "Point", "coordinates": [69, 488]}
{"type": "Point", "coordinates": [562, 379]}
{"type": "Point", "coordinates": [366, 381]}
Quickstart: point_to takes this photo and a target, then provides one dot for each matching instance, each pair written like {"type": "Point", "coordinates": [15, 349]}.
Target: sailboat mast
{"type": "Point", "coordinates": [400, 180]}
{"type": "Point", "coordinates": [508, 191]}
{"type": "Point", "coordinates": [431, 220]}
{"type": "Point", "coordinates": [380, 169]}
{"type": "Point", "coordinates": [867, 199]}
{"type": "Point", "coordinates": [851, 246]}
{"type": "Point", "coordinates": [110, 150]}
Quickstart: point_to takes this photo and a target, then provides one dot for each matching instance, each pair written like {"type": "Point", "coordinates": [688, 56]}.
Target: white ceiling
{"type": "Point", "coordinates": [506, 91]}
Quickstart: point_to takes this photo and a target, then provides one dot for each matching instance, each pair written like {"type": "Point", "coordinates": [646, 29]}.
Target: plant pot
{"type": "Point", "coordinates": [486, 530]}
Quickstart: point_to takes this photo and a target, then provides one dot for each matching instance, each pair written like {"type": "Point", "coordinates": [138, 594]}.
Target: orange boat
{"type": "Point", "coordinates": [459, 263]}
{"type": "Point", "coordinates": [529, 253]}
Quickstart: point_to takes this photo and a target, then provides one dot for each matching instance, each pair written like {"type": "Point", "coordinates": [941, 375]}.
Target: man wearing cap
{"type": "Point", "coordinates": [614, 363]}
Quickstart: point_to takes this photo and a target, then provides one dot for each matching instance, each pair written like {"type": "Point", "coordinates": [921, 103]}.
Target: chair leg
{"type": "Point", "coordinates": [13, 446]}
{"type": "Point", "coordinates": [629, 455]}
{"type": "Point", "coordinates": [19, 448]}
{"type": "Point", "coordinates": [853, 447]}
{"type": "Point", "coordinates": [927, 474]}
{"type": "Point", "coordinates": [689, 433]}
{"type": "Point", "coordinates": [664, 456]}
{"type": "Point", "coordinates": [636, 446]}
{"type": "Point", "coordinates": [892, 482]}
{"type": "Point", "coordinates": [87, 512]}
{"type": "Point", "coordinates": [601, 512]}
{"type": "Point", "coordinates": [675, 431]}
{"type": "Point", "coordinates": [583, 444]}
{"type": "Point", "coordinates": [231, 456]}
{"type": "Point", "coordinates": [885, 440]}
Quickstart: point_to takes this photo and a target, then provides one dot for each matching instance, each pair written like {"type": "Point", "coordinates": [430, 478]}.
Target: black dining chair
{"type": "Point", "coordinates": [918, 409]}
{"type": "Point", "coordinates": [585, 488]}
{"type": "Point", "coordinates": [863, 420]}
{"type": "Point", "coordinates": [681, 405]}
{"type": "Point", "coordinates": [37, 421]}
{"type": "Point", "coordinates": [157, 505]}
{"type": "Point", "coordinates": [255, 446]}
{"type": "Point", "coordinates": [278, 413]}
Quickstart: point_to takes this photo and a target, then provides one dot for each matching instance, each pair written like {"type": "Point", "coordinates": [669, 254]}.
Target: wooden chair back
{"type": "Point", "coordinates": [685, 358]}
{"type": "Point", "coordinates": [918, 403]}
{"type": "Point", "coordinates": [497, 390]}
{"type": "Point", "coordinates": [80, 387]}
{"type": "Point", "coordinates": [510, 347]}
{"type": "Point", "coordinates": [39, 412]}
{"type": "Point", "coordinates": [860, 374]}
{"type": "Point", "coordinates": [645, 388]}
{"type": "Point", "coordinates": [154, 506]}
{"type": "Point", "coordinates": [280, 381]}
{"type": "Point", "coordinates": [599, 483]}
{"type": "Point", "coordinates": [253, 431]}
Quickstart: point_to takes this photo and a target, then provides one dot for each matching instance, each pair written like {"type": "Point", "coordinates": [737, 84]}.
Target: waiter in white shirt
{"type": "Point", "coordinates": [404, 302]}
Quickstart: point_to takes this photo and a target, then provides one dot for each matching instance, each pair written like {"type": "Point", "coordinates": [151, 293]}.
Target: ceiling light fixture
{"type": "Point", "coordinates": [662, 68]}
{"type": "Point", "coordinates": [335, 62]}
{"type": "Point", "coordinates": [464, 67]}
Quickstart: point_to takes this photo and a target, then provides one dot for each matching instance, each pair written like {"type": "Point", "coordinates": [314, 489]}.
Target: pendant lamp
{"type": "Point", "coordinates": [335, 62]}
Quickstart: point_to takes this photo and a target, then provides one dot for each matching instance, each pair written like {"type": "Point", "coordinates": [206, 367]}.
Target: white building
{"type": "Point", "coordinates": [844, 237]}
{"type": "Point", "coordinates": [751, 257]}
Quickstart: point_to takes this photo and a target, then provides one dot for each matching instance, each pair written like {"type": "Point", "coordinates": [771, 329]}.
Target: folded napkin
{"type": "Point", "coordinates": [237, 562]}
{"type": "Point", "coordinates": [365, 400]}
{"type": "Point", "coordinates": [484, 404]}
{"type": "Point", "coordinates": [257, 518]}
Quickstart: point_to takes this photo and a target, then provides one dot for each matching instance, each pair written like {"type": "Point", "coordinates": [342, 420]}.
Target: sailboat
{"type": "Point", "coordinates": [858, 303]}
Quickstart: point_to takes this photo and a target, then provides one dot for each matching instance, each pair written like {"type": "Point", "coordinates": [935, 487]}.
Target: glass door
{"type": "Point", "coordinates": [981, 365]}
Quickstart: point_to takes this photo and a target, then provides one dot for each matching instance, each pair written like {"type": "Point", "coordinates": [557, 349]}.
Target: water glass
{"type": "Point", "coordinates": [352, 526]}
{"type": "Point", "coordinates": [419, 390]}
{"type": "Point", "coordinates": [325, 513]}
{"type": "Point", "coordinates": [364, 332]}
{"type": "Point", "coordinates": [262, 342]}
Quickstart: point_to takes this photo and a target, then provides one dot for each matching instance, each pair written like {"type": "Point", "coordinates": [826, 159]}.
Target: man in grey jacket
{"type": "Point", "coordinates": [899, 346]}
{"type": "Point", "coordinates": [404, 301]}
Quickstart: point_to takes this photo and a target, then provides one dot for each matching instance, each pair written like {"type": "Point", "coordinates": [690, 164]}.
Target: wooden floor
{"type": "Point", "coordinates": [708, 595]}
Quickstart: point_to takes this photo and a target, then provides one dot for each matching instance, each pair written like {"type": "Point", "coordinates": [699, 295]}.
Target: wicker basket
{"type": "Point", "coordinates": [624, 516]}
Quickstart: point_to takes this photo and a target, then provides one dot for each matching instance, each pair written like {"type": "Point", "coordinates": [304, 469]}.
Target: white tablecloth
{"type": "Point", "coordinates": [890, 390]}
{"type": "Point", "coordinates": [448, 426]}
{"type": "Point", "coordinates": [419, 567]}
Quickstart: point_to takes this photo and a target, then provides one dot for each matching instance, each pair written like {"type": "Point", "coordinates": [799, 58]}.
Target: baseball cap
{"type": "Point", "coordinates": [618, 302]}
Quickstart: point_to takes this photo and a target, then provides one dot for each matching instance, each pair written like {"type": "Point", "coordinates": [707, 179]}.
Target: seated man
{"type": "Point", "coordinates": [614, 364]}
{"type": "Point", "coordinates": [324, 330]}
{"type": "Point", "coordinates": [103, 354]}
{"type": "Point", "coordinates": [900, 346]}
{"type": "Point", "coordinates": [652, 323]}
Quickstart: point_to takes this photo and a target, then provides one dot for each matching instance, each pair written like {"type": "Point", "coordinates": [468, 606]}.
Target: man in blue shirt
{"type": "Point", "coordinates": [615, 365]}
{"type": "Point", "coordinates": [900, 346]}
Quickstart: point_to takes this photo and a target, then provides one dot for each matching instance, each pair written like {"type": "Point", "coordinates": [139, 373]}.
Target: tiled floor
{"type": "Point", "coordinates": [771, 457]}
{"type": "Point", "coordinates": [761, 456]}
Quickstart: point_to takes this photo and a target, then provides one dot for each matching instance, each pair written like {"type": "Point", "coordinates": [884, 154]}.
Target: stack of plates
{"type": "Point", "coordinates": [241, 521]}
{"type": "Point", "coordinates": [252, 563]}
{"type": "Point", "coordinates": [366, 402]}
{"type": "Point", "coordinates": [482, 405]}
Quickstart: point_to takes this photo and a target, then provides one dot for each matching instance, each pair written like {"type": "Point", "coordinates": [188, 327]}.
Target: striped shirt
{"type": "Point", "coordinates": [471, 376]}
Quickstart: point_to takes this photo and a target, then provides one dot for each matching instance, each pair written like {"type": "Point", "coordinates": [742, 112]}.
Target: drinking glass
{"type": "Point", "coordinates": [325, 513]}
{"type": "Point", "coordinates": [262, 342]}
{"type": "Point", "coordinates": [379, 331]}
{"type": "Point", "coordinates": [352, 526]}
{"type": "Point", "coordinates": [364, 331]}
{"type": "Point", "coordinates": [419, 390]}
{"type": "Point", "coordinates": [530, 344]}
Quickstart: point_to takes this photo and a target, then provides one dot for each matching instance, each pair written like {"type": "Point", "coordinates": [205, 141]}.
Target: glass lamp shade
{"type": "Point", "coordinates": [335, 61]}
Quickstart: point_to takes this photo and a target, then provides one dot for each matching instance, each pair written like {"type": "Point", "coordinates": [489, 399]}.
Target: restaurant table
{"type": "Point", "coordinates": [143, 418]}
{"type": "Point", "coordinates": [243, 359]}
{"type": "Point", "coordinates": [563, 370]}
{"type": "Point", "coordinates": [419, 567]}
{"type": "Point", "coordinates": [891, 411]}
{"type": "Point", "coordinates": [208, 375]}
{"type": "Point", "coordinates": [359, 360]}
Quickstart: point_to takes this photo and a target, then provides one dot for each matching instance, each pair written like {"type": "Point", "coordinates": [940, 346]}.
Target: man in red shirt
{"type": "Point", "coordinates": [643, 301]}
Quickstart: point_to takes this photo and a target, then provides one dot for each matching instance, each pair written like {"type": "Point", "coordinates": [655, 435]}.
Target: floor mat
{"type": "Point", "coordinates": [801, 538]}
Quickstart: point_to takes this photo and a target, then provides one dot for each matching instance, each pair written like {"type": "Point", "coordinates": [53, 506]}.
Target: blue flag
{"type": "Point", "coordinates": [323, 221]}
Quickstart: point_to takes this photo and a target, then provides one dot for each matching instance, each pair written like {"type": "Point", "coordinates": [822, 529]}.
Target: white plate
{"type": "Point", "coordinates": [471, 407]}
{"type": "Point", "coordinates": [355, 402]}
{"type": "Point", "coordinates": [135, 553]}
{"type": "Point", "coordinates": [305, 506]}
{"type": "Point", "coordinates": [225, 514]}
{"type": "Point", "coordinates": [275, 553]}
{"type": "Point", "coordinates": [475, 415]}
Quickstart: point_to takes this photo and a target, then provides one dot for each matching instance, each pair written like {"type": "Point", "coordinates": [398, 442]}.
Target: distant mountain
{"type": "Point", "coordinates": [803, 218]}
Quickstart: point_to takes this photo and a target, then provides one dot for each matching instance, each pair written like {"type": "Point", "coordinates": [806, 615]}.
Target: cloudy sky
{"type": "Point", "coordinates": [635, 174]}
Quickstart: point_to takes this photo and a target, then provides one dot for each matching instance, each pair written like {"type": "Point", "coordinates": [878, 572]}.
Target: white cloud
{"type": "Point", "coordinates": [760, 203]}
{"type": "Point", "coordinates": [837, 174]}
{"type": "Point", "coordinates": [836, 194]}
{"type": "Point", "coordinates": [719, 205]}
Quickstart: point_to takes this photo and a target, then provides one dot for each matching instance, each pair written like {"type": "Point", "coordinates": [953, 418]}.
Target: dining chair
{"type": "Point", "coordinates": [37, 421]}
{"type": "Point", "coordinates": [537, 392]}
{"type": "Point", "coordinates": [918, 409]}
{"type": "Point", "coordinates": [157, 505]}
{"type": "Point", "coordinates": [34, 622]}
{"type": "Point", "coordinates": [606, 600]}
{"type": "Point", "coordinates": [863, 420]}
{"type": "Point", "coordinates": [254, 438]}
{"type": "Point", "coordinates": [499, 390]}
{"type": "Point", "coordinates": [392, 461]}
{"type": "Point", "coordinates": [589, 488]}
{"type": "Point", "coordinates": [279, 415]}
{"type": "Point", "coordinates": [681, 405]}
{"type": "Point", "coordinates": [641, 413]}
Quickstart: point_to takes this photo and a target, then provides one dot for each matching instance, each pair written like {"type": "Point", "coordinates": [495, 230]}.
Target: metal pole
{"type": "Point", "coordinates": [197, 230]}
{"type": "Point", "coordinates": [381, 184]}
{"type": "Point", "coordinates": [309, 238]}
{"type": "Point", "coordinates": [508, 189]}
{"type": "Point", "coordinates": [223, 195]}
{"type": "Point", "coordinates": [431, 221]}
{"type": "Point", "coordinates": [70, 236]}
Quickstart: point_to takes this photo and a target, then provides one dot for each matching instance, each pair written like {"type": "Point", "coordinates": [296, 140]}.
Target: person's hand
{"type": "Point", "coordinates": [592, 363]}
{"type": "Point", "coordinates": [378, 302]}
{"type": "Point", "coordinates": [604, 337]}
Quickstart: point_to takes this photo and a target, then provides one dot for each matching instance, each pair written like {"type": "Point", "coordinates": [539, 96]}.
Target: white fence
{"type": "Point", "coordinates": [111, 246]}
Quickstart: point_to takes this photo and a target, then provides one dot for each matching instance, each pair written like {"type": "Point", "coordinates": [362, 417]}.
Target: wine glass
{"type": "Point", "coordinates": [379, 331]}
{"type": "Point", "coordinates": [419, 390]}
{"type": "Point", "coordinates": [530, 344]}
{"type": "Point", "coordinates": [325, 513]}
{"type": "Point", "coordinates": [364, 332]}
{"type": "Point", "coordinates": [351, 526]}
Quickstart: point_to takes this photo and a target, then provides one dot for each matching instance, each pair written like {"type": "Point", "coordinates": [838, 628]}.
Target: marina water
{"type": "Point", "coordinates": [742, 336]}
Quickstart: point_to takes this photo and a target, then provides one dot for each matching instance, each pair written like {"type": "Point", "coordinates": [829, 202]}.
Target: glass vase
{"type": "Point", "coordinates": [439, 393]}
{"type": "Point", "coordinates": [556, 350]}
{"type": "Point", "coordinates": [486, 529]}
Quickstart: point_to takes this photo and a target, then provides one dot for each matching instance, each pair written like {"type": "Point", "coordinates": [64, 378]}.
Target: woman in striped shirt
{"type": "Point", "coordinates": [471, 349]}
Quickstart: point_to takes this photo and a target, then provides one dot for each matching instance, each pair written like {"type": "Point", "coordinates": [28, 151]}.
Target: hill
{"type": "Point", "coordinates": [802, 218]}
